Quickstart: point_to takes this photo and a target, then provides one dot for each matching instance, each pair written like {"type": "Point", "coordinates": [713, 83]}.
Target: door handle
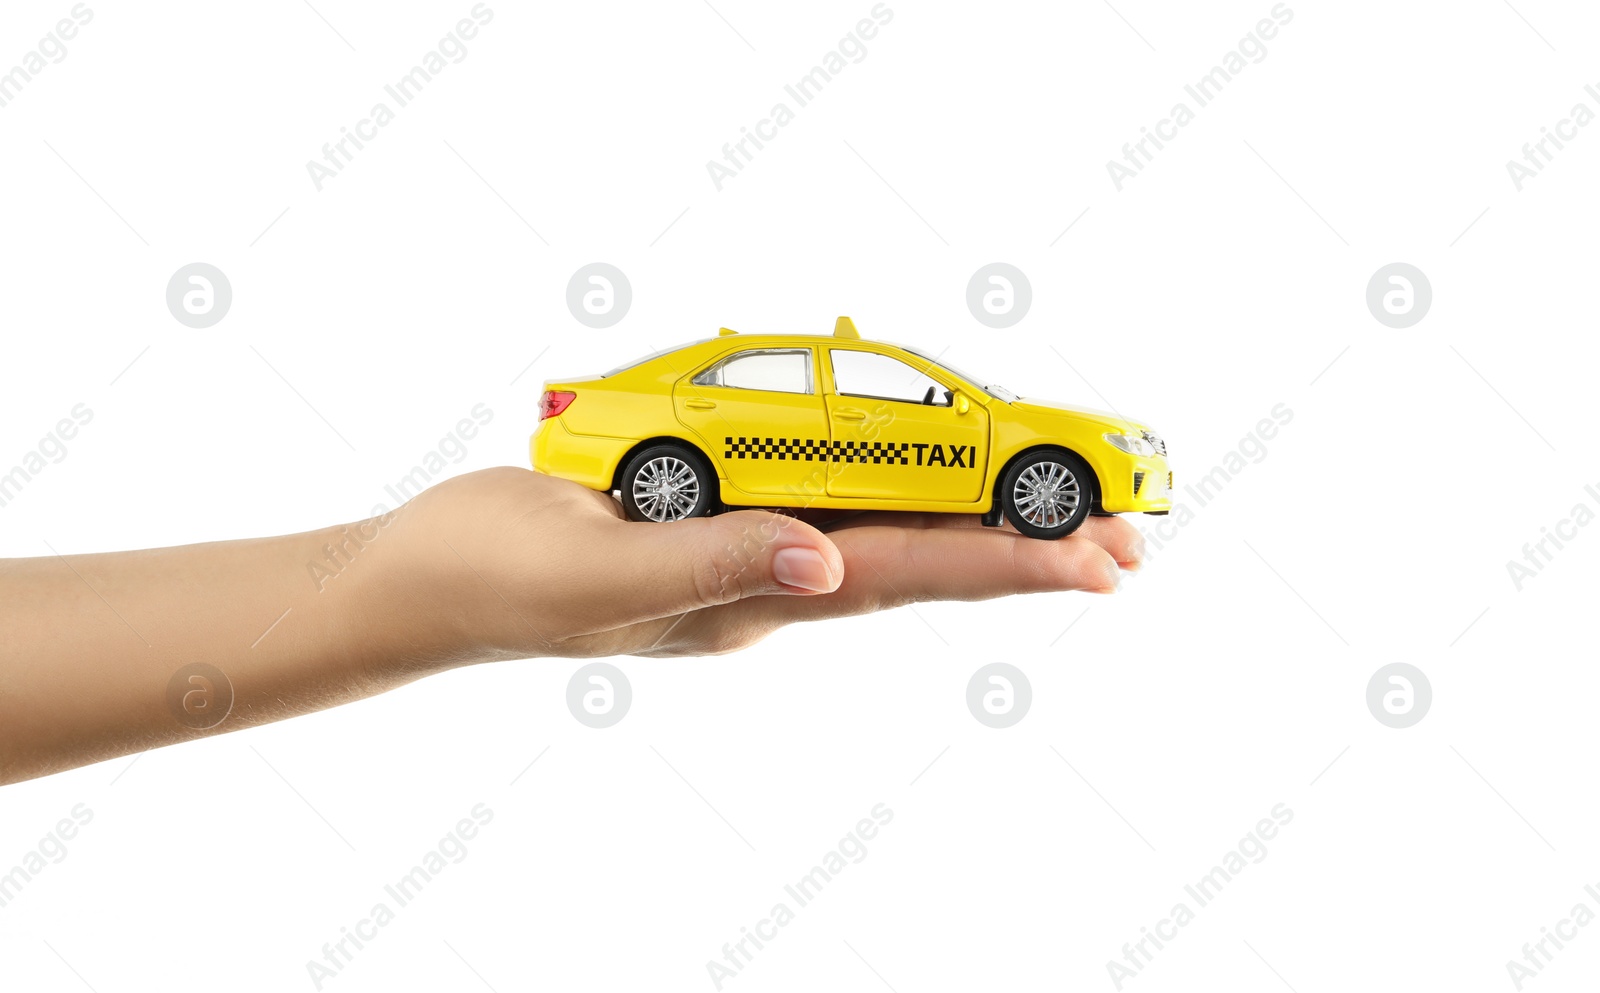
{"type": "Point", "coordinates": [849, 414]}
{"type": "Point", "coordinates": [699, 404]}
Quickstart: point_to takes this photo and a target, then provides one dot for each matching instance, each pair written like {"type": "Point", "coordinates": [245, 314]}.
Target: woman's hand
{"type": "Point", "coordinates": [535, 565]}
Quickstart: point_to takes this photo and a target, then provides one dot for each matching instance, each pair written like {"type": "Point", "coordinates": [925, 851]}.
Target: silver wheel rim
{"type": "Point", "coordinates": [1046, 494]}
{"type": "Point", "coordinates": [666, 489]}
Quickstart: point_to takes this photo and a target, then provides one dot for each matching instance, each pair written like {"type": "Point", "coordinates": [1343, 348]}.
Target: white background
{"type": "Point", "coordinates": [1227, 278]}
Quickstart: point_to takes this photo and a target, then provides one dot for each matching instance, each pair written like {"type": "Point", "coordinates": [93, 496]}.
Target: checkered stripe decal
{"type": "Point", "coordinates": [808, 450]}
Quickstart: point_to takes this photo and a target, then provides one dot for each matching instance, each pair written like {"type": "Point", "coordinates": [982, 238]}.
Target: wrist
{"type": "Point", "coordinates": [383, 610]}
{"type": "Point", "coordinates": [428, 600]}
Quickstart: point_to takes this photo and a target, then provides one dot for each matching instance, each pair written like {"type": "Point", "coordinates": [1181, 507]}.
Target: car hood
{"type": "Point", "coordinates": [1112, 421]}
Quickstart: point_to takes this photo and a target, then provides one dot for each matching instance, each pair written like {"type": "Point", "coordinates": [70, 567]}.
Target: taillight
{"type": "Point", "coordinates": [553, 402]}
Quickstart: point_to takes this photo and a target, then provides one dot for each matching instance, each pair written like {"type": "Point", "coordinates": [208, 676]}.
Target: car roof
{"type": "Point", "coordinates": [844, 330]}
{"type": "Point", "coordinates": [800, 338]}
{"type": "Point", "coordinates": [729, 340]}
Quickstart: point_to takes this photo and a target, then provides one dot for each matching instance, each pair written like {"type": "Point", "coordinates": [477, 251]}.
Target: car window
{"type": "Point", "coordinates": [869, 374]}
{"type": "Point", "coordinates": [775, 369]}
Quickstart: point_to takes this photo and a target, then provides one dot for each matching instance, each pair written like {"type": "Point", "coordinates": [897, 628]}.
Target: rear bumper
{"type": "Point", "coordinates": [1138, 485]}
{"type": "Point", "coordinates": [585, 459]}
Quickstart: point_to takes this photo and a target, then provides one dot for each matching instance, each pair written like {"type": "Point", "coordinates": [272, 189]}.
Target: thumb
{"type": "Point", "coordinates": [706, 561]}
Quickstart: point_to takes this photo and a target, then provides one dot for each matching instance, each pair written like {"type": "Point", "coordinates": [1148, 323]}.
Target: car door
{"type": "Point", "coordinates": [901, 431]}
{"type": "Point", "coordinates": [759, 413]}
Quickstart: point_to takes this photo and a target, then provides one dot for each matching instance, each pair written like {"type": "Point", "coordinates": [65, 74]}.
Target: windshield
{"type": "Point", "coordinates": [998, 392]}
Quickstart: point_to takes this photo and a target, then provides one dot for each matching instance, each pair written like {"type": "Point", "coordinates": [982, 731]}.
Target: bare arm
{"type": "Point", "coordinates": [104, 655]}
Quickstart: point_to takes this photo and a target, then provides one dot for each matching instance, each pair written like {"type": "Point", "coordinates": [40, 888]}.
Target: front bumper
{"type": "Point", "coordinates": [1137, 485]}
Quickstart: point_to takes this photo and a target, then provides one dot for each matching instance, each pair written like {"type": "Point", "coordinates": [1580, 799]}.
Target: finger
{"type": "Point", "coordinates": [1117, 536]}
{"type": "Point", "coordinates": [887, 567]}
{"type": "Point", "coordinates": [901, 565]}
{"type": "Point", "coordinates": [658, 570]}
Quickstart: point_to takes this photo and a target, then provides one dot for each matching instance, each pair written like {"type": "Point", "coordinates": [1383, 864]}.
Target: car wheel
{"type": "Point", "coordinates": [1047, 494]}
{"type": "Point", "coordinates": [667, 483]}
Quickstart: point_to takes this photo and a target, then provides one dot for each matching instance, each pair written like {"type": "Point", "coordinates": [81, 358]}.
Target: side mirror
{"type": "Point", "coordinates": [962, 403]}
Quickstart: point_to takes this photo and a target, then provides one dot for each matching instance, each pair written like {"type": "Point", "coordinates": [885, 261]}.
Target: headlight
{"type": "Point", "coordinates": [1133, 444]}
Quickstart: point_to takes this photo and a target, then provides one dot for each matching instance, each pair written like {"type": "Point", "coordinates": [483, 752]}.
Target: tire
{"type": "Point", "coordinates": [1048, 493]}
{"type": "Point", "coordinates": [667, 483]}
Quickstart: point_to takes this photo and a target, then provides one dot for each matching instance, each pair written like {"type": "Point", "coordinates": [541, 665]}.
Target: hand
{"type": "Point", "coordinates": [530, 565]}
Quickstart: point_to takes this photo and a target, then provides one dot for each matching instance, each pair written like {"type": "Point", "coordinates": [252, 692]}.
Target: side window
{"type": "Point", "coordinates": [777, 370]}
{"type": "Point", "coordinates": [868, 374]}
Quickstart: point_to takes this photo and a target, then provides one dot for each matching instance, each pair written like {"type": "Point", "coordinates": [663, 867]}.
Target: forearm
{"type": "Point", "coordinates": [90, 644]}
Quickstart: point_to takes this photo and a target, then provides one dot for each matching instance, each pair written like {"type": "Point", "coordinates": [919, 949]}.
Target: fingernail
{"type": "Point", "coordinates": [802, 568]}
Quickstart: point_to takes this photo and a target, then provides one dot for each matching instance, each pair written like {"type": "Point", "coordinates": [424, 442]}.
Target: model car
{"type": "Point", "coordinates": [810, 421]}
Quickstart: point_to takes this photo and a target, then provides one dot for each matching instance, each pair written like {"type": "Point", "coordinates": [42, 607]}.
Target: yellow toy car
{"type": "Point", "coordinates": [840, 423]}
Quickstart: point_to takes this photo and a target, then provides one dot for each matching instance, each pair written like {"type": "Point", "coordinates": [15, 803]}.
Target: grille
{"type": "Point", "coordinates": [1155, 442]}
{"type": "Point", "coordinates": [1138, 481]}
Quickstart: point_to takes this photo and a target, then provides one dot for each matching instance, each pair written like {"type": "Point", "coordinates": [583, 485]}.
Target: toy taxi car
{"type": "Point", "coordinates": [840, 423]}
